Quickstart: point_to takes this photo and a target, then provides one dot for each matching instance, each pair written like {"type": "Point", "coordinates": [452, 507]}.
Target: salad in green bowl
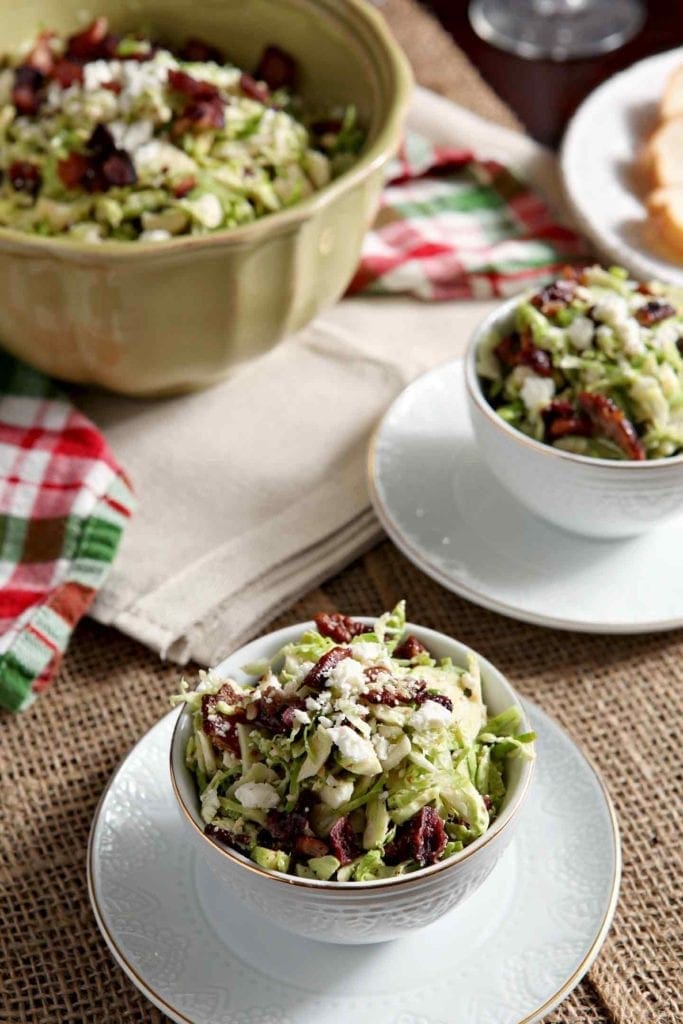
{"type": "Point", "coordinates": [110, 136]}
{"type": "Point", "coordinates": [354, 754]}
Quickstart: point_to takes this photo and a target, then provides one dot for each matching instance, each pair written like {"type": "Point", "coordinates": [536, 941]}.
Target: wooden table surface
{"type": "Point", "coordinates": [545, 93]}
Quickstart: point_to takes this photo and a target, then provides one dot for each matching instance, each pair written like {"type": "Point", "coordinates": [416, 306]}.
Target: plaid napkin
{"type": "Point", "coordinates": [452, 226]}
{"type": "Point", "coordinates": [63, 505]}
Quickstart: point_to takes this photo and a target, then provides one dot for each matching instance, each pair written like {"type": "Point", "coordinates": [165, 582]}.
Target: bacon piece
{"type": "Point", "coordinates": [611, 421]}
{"type": "Point", "coordinates": [554, 297]}
{"type": "Point", "coordinates": [67, 72]}
{"type": "Point", "coordinates": [185, 185]}
{"type": "Point", "coordinates": [276, 68]}
{"type": "Point", "coordinates": [561, 419]}
{"type": "Point", "coordinates": [438, 698]}
{"type": "Point", "coordinates": [102, 167]}
{"type": "Point", "coordinates": [519, 350]}
{"type": "Point", "coordinates": [199, 115]}
{"type": "Point", "coordinates": [25, 177]}
{"type": "Point", "coordinates": [423, 839]}
{"type": "Point", "coordinates": [315, 679]}
{"type": "Point", "coordinates": [41, 56]}
{"type": "Point", "coordinates": [27, 90]}
{"type": "Point", "coordinates": [340, 628]}
{"type": "Point", "coordinates": [94, 42]}
{"type": "Point", "coordinates": [343, 841]}
{"type": "Point", "coordinates": [276, 710]}
{"type": "Point", "coordinates": [653, 311]}
{"type": "Point", "coordinates": [197, 51]}
{"type": "Point", "coordinates": [310, 846]}
{"type": "Point", "coordinates": [219, 727]}
{"type": "Point", "coordinates": [253, 89]}
{"type": "Point", "coordinates": [410, 648]}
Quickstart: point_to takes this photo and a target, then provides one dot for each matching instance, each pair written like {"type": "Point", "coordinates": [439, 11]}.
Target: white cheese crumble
{"type": "Point", "coordinates": [353, 747]}
{"type": "Point", "coordinates": [260, 795]}
{"type": "Point", "coordinates": [429, 715]}
{"type": "Point", "coordinates": [580, 333]}
{"type": "Point", "coordinates": [537, 392]}
{"type": "Point", "coordinates": [346, 678]}
{"type": "Point", "coordinates": [301, 716]}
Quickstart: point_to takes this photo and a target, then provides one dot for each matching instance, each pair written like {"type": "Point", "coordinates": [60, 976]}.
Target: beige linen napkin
{"type": "Point", "coordinates": [253, 491]}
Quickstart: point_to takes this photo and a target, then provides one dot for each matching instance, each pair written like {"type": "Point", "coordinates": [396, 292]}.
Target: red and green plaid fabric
{"type": "Point", "coordinates": [452, 226]}
{"type": "Point", "coordinates": [64, 502]}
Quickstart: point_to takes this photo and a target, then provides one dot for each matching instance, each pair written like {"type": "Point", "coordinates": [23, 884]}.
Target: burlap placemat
{"type": "Point", "coordinates": [622, 697]}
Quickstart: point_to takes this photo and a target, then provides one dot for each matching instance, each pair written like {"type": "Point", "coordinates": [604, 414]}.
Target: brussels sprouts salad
{"type": "Point", "coordinates": [105, 136]}
{"type": "Point", "coordinates": [354, 755]}
{"type": "Point", "coordinates": [594, 366]}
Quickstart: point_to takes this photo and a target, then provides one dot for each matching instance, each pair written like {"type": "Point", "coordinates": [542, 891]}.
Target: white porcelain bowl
{"type": "Point", "coordinates": [354, 912]}
{"type": "Point", "coordinates": [593, 497]}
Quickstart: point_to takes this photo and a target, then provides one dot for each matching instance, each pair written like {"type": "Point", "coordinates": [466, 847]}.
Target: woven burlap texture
{"type": "Point", "coordinates": [621, 697]}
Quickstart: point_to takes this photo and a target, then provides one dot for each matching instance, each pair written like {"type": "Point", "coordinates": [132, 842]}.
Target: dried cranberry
{"type": "Point", "coordinates": [185, 185]}
{"type": "Point", "coordinates": [194, 88]}
{"type": "Point", "coordinates": [219, 727]}
{"type": "Point", "coordinates": [118, 169]}
{"type": "Point", "coordinates": [253, 89]}
{"type": "Point", "coordinates": [437, 698]}
{"type": "Point", "coordinates": [196, 51]}
{"type": "Point", "coordinates": [285, 828]}
{"type": "Point", "coordinates": [654, 311]}
{"type": "Point", "coordinates": [611, 421]}
{"type": "Point", "coordinates": [92, 43]}
{"type": "Point", "coordinates": [276, 68]}
{"type": "Point", "coordinates": [340, 628]}
{"type": "Point", "coordinates": [519, 350]}
{"type": "Point", "coordinates": [310, 846]}
{"type": "Point", "coordinates": [25, 177]}
{"type": "Point", "coordinates": [114, 87]}
{"type": "Point", "coordinates": [101, 141]}
{"type": "Point", "coordinates": [391, 698]}
{"type": "Point", "coordinates": [225, 838]}
{"type": "Point", "coordinates": [410, 648]}
{"type": "Point", "coordinates": [72, 170]}
{"type": "Point", "coordinates": [423, 839]}
{"type": "Point", "coordinates": [343, 842]}
{"type": "Point", "coordinates": [27, 94]}
{"type": "Point", "coordinates": [324, 665]}
{"type": "Point", "coordinates": [554, 297]}
{"type": "Point", "coordinates": [67, 72]}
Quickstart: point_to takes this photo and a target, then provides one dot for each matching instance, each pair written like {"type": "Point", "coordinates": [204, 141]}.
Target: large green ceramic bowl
{"type": "Point", "coordinates": [157, 319]}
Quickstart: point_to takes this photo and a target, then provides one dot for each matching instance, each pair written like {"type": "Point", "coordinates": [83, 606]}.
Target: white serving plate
{"type": "Point", "coordinates": [507, 955]}
{"type": "Point", "coordinates": [448, 514]}
{"type": "Point", "coordinates": [599, 166]}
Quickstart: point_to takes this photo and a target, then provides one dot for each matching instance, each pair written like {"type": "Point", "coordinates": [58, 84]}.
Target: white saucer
{"type": "Point", "coordinates": [599, 165]}
{"type": "Point", "coordinates": [506, 956]}
{"type": "Point", "coordinates": [447, 513]}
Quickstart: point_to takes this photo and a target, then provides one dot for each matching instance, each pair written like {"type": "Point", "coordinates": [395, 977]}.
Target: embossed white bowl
{"type": "Point", "coordinates": [593, 497]}
{"type": "Point", "coordinates": [353, 912]}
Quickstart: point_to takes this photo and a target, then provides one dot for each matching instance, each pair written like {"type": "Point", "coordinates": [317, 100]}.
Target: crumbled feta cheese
{"type": "Point", "coordinates": [259, 795]}
{"type": "Point", "coordinates": [206, 209]}
{"type": "Point", "coordinates": [537, 392]}
{"type": "Point", "coordinates": [325, 722]}
{"type": "Point", "coordinates": [347, 678]}
{"type": "Point", "coordinates": [381, 745]}
{"type": "Point", "coordinates": [580, 333]}
{"type": "Point", "coordinates": [430, 714]}
{"type": "Point", "coordinates": [368, 653]}
{"type": "Point", "coordinates": [158, 157]}
{"type": "Point", "coordinates": [611, 309]}
{"type": "Point", "coordinates": [131, 136]}
{"type": "Point", "coordinates": [301, 716]}
{"type": "Point", "coordinates": [100, 72]}
{"type": "Point", "coordinates": [629, 336]}
{"type": "Point", "coordinates": [356, 749]}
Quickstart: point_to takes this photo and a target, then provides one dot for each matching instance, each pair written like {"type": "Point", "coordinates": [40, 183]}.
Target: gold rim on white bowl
{"type": "Point", "coordinates": [415, 877]}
